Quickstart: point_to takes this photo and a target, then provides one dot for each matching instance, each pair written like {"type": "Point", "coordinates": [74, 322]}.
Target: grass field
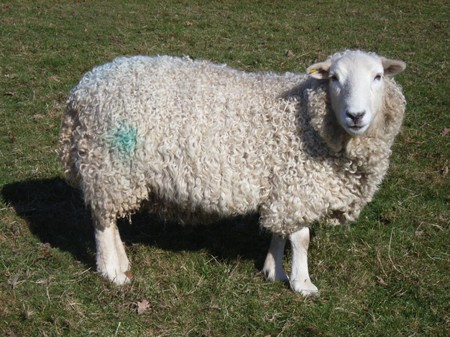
{"type": "Point", "coordinates": [386, 275]}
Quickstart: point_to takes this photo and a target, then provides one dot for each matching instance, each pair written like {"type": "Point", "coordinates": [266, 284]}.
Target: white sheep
{"type": "Point", "coordinates": [195, 141]}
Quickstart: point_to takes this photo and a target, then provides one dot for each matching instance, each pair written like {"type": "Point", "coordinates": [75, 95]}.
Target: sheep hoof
{"type": "Point", "coordinates": [118, 278]}
{"type": "Point", "coordinates": [306, 288]}
{"type": "Point", "coordinates": [121, 279]}
{"type": "Point", "coordinates": [273, 276]}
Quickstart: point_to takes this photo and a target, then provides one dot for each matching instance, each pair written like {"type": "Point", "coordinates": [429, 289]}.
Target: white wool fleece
{"type": "Point", "coordinates": [195, 140]}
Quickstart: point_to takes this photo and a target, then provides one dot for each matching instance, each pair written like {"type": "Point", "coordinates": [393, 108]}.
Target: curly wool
{"type": "Point", "coordinates": [195, 141]}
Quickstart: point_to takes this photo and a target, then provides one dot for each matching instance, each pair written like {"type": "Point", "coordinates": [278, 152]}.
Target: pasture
{"type": "Point", "coordinates": [385, 275]}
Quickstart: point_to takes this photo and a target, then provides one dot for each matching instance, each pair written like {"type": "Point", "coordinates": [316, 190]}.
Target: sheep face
{"type": "Point", "coordinates": [356, 86]}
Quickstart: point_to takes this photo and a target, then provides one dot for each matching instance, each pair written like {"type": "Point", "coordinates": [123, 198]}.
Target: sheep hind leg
{"type": "Point", "coordinates": [122, 255]}
{"type": "Point", "coordinates": [273, 265]}
{"type": "Point", "coordinates": [112, 262]}
{"type": "Point", "coordinates": [299, 280]}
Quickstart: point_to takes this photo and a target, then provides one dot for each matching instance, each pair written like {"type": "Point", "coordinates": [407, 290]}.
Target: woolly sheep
{"type": "Point", "coordinates": [195, 141]}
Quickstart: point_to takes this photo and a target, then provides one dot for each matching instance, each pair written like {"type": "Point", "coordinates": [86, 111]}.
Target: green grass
{"type": "Point", "coordinates": [386, 275]}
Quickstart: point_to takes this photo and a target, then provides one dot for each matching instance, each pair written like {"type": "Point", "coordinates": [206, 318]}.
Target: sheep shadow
{"type": "Point", "coordinates": [56, 214]}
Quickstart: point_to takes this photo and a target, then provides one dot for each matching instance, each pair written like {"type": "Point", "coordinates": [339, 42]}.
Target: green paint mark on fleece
{"type": "Point", "coordinates": [123, 139]}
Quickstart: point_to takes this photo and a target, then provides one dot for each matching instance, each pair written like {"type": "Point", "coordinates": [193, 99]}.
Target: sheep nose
{"type": "Point", "coordinates": [356, 117]}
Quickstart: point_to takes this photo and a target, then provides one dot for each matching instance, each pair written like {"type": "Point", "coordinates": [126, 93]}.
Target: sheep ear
{"type": "Point", "coordinates": [392, 67]}
{"type": "Point", "coordinates": [319, 70]}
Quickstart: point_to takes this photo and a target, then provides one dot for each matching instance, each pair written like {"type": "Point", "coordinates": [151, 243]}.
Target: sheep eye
{"type": "Point", "coordinates": [334, 78]}
{"type": "Point", "coordinates": [377, 77]}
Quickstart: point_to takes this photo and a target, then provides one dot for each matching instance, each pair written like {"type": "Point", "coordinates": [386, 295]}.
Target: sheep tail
{"type": "Point", "coordinates": [67, 146]}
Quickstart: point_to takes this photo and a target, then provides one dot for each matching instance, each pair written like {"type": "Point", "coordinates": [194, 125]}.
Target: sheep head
{"type": "Point", "coordinates": [356, 86]}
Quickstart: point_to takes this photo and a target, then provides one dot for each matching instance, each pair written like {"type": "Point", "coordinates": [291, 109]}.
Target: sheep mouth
{"type": "Point", "coordinates": [356, 130]}
{"type": "Point", "coordinates": [356, 127]}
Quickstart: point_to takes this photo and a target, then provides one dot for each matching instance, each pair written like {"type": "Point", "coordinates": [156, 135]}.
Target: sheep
{"type": "Point", "coordinates": [196, 141]}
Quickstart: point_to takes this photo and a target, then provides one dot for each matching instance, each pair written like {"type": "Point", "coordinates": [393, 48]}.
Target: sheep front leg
{"type": "Point", "coordinates": [273, 266]}
{"type": "Point", "coordinates": [299, 280]}
{"type": "Point", "coordinates": [112, 261]}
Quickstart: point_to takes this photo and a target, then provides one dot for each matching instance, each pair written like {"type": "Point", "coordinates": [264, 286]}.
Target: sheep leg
{"type": "Point", "coordinates": [123, 259]}
{"type": "Point", "coordinates": [273, 266]}
{"type": "Point", "coordinates": [112, 261]}
{"type": "Point", "coordinates": [299, 280]}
